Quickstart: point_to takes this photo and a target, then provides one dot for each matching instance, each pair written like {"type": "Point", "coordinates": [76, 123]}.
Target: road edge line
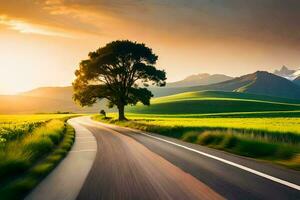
{"type": "Point", "coordinates": [261, 174]}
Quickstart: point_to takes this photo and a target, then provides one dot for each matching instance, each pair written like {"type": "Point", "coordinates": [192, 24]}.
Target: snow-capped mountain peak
{"type": "Point", "coordinates": [287, 73]}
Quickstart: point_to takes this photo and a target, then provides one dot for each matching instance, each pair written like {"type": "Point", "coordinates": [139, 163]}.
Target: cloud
{"type": "Point", "coordinates": [28, 28]}
{"type": "Point", "coordinates": [49, 17]}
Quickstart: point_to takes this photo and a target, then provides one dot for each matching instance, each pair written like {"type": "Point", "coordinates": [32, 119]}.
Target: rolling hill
{"type": "Point", "coordinates": [260, 82]}
{"type": "Point", "coordinates": [59, 93]}
{"type": "Point", "coordinates": [45, 100]}
{"type": "Point", "coordinates": [18, 104]}
{"type": "Point", "coordinates": [200, 79]}
{"type": "Point", "coordinates": [215, 102]}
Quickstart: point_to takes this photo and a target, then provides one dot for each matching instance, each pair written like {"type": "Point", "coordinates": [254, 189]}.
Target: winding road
{"type": "Point", "coordinates": [130, 164]}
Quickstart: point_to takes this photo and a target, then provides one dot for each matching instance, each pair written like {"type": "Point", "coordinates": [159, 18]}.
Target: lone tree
{"type": "Point", "coordinates": [119, 72]}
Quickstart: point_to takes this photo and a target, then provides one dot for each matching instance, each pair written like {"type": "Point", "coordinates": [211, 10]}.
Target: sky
{"type": "Point", "coordinates": [43, 41]}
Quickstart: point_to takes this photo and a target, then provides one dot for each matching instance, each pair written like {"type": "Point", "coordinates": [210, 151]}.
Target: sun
{"type": "Point", "coordinates": [13, 80]}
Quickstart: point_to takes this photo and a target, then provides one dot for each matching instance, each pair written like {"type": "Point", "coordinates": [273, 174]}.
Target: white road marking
{"type": "Point", "coordinates": [283, 182]}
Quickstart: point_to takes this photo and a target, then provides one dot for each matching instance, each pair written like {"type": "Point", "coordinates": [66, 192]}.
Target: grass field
{"type": "Point", "coordinates": [214, 102]}
{"type": "Point", "coordinates": [14, 126]}
{"type": "Point", "coordinates": [270, 124]}
{"type": "Point", "coordinates": [26, 142]}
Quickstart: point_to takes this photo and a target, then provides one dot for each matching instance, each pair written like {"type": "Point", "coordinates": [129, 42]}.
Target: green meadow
{"type": "Point", "coordinates": [262, 127]}
{"type": "Point", "coordinates": [214, 102]}
{"type": "Point", "coordinates": [31, 146]}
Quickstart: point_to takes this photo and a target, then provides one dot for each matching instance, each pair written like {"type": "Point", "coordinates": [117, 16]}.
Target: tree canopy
{"type": "Point", "coordinates": [120, 72]}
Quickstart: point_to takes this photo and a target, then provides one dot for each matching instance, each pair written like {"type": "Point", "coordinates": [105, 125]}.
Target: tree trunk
{"type": "Point", "coordinates": [121, 112]}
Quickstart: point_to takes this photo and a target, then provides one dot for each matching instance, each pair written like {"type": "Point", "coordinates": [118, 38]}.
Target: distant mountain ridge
{"type": "Point", "coordinates": [200, 79]}
{"type": "Point", "coordinates": [260, 82]}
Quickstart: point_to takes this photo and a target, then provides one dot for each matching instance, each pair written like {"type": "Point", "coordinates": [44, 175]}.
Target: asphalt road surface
{"type": "Point", "coordinates": [134, 165]}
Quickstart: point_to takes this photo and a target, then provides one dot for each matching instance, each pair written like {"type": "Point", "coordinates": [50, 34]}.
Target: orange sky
{"type": "Point", "coordinates": [42, 41]}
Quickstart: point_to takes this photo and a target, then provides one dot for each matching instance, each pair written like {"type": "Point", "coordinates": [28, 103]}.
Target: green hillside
{"type": "Point", "coordinates": [215, 102]}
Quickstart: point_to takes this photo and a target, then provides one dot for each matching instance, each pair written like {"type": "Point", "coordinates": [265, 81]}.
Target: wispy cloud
{"type": "Point", "coordinates": [29, 28]}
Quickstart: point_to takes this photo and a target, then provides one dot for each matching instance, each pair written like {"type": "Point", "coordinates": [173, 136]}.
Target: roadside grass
{"type": "Point", "coordinates": [19, 187]}
{"type": "Point", "coordinates": [16, 156]}
{"type": "Point", "coordinates": [273, 139]}
{"type": "Point", "coordinates": [24, 161]}
{"type": "Point", "coordinates": [250, 146]}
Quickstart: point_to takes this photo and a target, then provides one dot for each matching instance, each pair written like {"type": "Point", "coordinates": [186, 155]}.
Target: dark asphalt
{"type": "Point", "coordinates": [125, 169]}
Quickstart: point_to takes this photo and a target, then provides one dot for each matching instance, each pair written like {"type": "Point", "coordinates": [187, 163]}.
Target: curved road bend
{"type": "Point", "coordinates": [130, 165]}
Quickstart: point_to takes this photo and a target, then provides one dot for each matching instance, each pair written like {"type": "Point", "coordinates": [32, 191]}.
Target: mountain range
{"type": "Point", "coordinates": [200, 79]}
{"type": "Point", "coordinates": [260, 82]}
{"type": "Point", "coordinates": [54, 99]}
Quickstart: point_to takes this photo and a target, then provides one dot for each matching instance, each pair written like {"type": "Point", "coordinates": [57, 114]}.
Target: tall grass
{"type": "Point", "coordinates": [247, 145]}
{"type": "Point", "coordinates": [18, 187]}
{"type": "Point", "coordinates": [32, 145]}
{"type": "Point", "coordinates": [11, 131]}
{"type": "Point", "coordinates": [18, 155]}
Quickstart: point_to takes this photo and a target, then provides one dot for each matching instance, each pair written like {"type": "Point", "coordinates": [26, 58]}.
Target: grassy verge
{"type": "Point", "coordinates": [249, 145]}
{"type": "Point", "coordinates": [275, 146]}
{"type": "Point", "coordinates": [24, 162]}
